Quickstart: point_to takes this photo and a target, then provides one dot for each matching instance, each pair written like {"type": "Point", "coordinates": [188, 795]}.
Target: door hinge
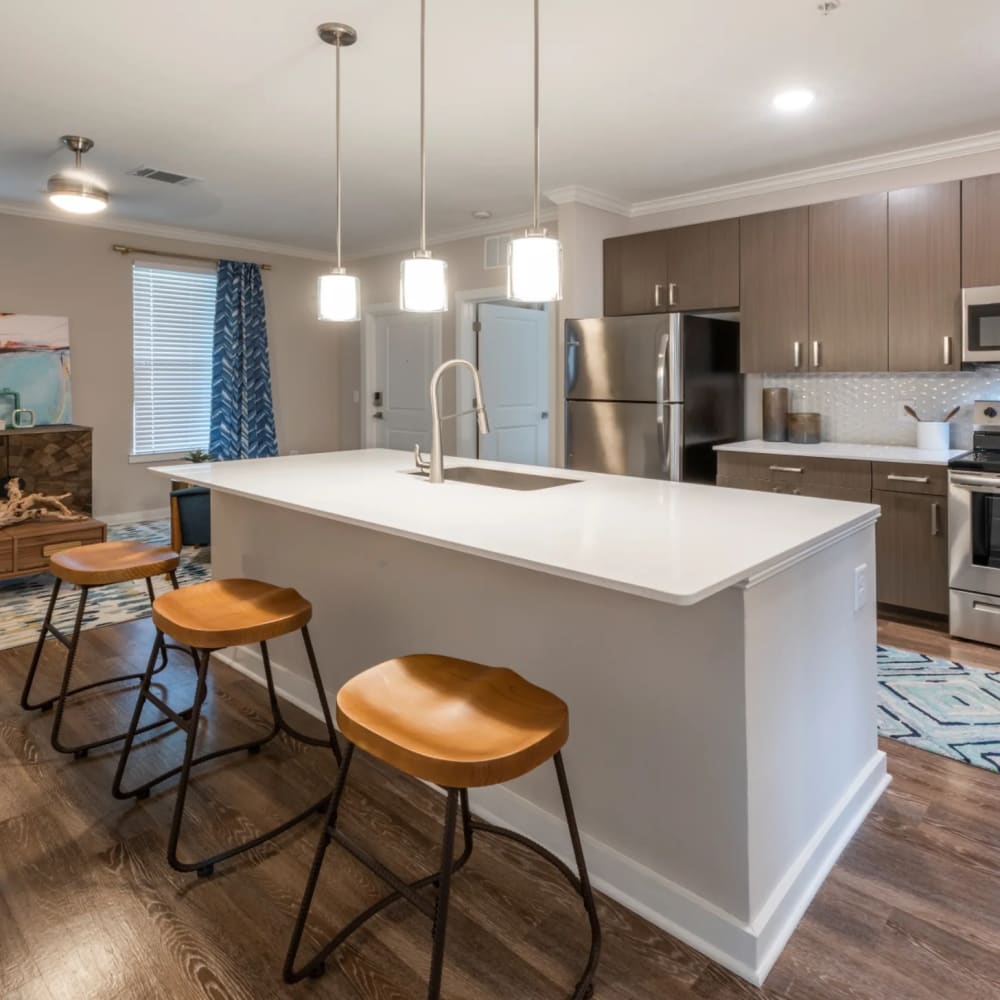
{"type": "Point", "coordinates": [477, 327]}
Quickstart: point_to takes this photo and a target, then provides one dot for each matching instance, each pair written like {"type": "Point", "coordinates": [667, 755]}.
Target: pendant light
{"type": "Point", "coordinates": [72, 190]}
{"type": "Point", "coordinates": [423, 279]}
{"type": "Point", "coordinates": [339, 292]}
{"type": "Point", "coordinates": [534, 261]}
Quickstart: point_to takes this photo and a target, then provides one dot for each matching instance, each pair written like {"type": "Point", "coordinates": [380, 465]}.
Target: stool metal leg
{"type": "Point", "coordinates": [67, 671]}
{"type": "Point", "coordinates": [39, 646]}
{"type": "Point", "coordinates": [444, 891]}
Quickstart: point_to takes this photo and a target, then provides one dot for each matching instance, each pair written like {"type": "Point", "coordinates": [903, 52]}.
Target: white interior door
{"type": "Point", "coordinates": [514, 364]}
{"type": "Point", "coordinates": [405, 348]}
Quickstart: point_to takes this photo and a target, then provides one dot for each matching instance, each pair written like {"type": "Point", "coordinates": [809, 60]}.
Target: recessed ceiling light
{"type": "Point", "coordinates": [793, 100]}
{"type": "Point", "coordinates": [482, 213]}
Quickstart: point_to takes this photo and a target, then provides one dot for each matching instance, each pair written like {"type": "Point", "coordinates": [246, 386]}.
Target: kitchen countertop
{"type": "Point", "coordinates": [673, 542]}
{"type": "Point", "coordinates": [831, 449]}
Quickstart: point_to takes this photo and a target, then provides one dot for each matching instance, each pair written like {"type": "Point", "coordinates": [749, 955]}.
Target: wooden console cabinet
{"type": "Point", "coordinates": [27, 548]}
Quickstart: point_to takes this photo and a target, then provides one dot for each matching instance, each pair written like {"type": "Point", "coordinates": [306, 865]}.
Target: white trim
{"type": "Point", "coordinates": [115, 224]}
{"type": "Point", "coordinates": [748, 949]}
{"type": "Point", "coordinates": [368, 318]}
{"type": "Point", "coordinates": [986, 142]}
{"type": "Point", "coordinates": [130, 517]}
{"type": "Point", "coordinates": [164, 456]}
{"type": "Point", "coordinates": [465, 347]}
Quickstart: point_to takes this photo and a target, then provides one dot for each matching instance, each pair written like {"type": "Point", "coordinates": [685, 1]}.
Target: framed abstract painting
{"type": "Point", "coordinates": [34, 366]}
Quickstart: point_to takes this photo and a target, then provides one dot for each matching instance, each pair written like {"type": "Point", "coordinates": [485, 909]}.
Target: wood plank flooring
{"type": "Point", "coordinates": [90, 909]}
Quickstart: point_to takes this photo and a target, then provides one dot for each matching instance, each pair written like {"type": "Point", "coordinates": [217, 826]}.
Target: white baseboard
{"type": "Point", "coordinates": [749, 950]}
{"type": "Point", "coordinates": [130, 517]}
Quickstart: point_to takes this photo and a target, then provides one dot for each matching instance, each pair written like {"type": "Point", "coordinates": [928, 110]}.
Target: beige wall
{"type": "Point", "coordinates": [380, 286]}
{"type": "Point", "coordinates": [62, 269]}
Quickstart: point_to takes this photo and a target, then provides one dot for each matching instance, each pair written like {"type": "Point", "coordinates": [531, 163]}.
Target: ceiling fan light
{"type": "Point", "coordinates": [534, 268]}
{"type": "Point", "coordinates": [73, 194]}
{"type": "Point", "coordinates": [423, 284]}
{"type": "Point", "coordinates": [339, 297]}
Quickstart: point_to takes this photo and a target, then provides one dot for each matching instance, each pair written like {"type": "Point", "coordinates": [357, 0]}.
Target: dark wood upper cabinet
{"type": "Point", "coordinates": [848, 285]}
{"type": "Point", "coordinates": [690, 267]}
{"type": "Point", "coordinates": [925, 278]}
{"type": "Point", "coordinates": [981, 231]}
{"type": "Point", "coordinates": [774, 291]}
{"type": "Point", "coordinates": [703, 266]}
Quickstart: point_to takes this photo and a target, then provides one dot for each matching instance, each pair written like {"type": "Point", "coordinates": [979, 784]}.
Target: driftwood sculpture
{"type": "Point", "coordinates": [20, 507]}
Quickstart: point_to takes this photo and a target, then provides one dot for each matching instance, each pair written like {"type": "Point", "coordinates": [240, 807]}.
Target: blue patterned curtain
{"type": "Point", "coordinates": [242, 412]}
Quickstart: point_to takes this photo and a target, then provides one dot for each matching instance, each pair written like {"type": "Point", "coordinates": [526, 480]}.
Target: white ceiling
{"type": "Point", "coordinates": [641, 99]}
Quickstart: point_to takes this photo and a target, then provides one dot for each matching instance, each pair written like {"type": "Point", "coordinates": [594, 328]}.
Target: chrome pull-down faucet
{"type": "Point", "coordinates": [435, 467]}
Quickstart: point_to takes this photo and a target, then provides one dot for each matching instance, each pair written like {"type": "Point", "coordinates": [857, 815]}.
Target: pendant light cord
{"type": "Point", "coordinates": [423, 154]}
{"type": "Point", "coordinates": [338, 152]}
{"type": "Point", "coordinates": [538, 176]}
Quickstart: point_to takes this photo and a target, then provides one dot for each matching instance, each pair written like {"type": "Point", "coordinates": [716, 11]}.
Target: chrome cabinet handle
{"type": "Point", "coordinates": [908, 479]}
{"type": "Point", "coordinates": [935, 519]}
{"type": "Point", "coordinates": [784, 468]}
{"type": "Point", "coordinates": [671, 294]}
{"type": "Point", "coordinates": [947, 350]}
{"type": "Point", "coordinates": [983, 606]}
{"type": "Point", "coordinates": [816, 361]}
{"type": "Point", "coordinates": [657, 296]}
{"type": "Point", "coordinates": [797, 353]}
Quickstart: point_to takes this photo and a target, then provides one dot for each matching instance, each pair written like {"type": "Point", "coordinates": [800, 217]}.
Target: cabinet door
{"type": "Point", "coordinates": [848, 285]}
{"type": "Point", "coordinates": [703, 265]}
{"type": "Point", "coordinates": [981, 231]}
{"type": "Point", "coordinates": [925, 279]}
{"type": "Point", "coordinates": [912, 551]}
{"type": "Point", "coordinates": [635, 275]}
{"type": "Point", "coordinates": [774, 291]}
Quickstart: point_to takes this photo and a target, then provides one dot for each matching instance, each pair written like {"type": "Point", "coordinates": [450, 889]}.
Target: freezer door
{"type": "Point", "coordinates": [627, 439]}
{"type": "Point", "coordinates": [629, 358]}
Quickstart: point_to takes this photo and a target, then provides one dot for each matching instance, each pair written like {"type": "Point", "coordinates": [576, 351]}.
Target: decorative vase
{"type": "Point", "coordinates": [775, 414]}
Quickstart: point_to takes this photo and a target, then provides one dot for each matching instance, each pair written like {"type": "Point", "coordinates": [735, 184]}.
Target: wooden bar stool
{"type": "Point", "coordinates": [90, 566]}
{"type": "Point", "coordinates": [459, 725]}
{"type": "Point", "coordinates": [209, 617]}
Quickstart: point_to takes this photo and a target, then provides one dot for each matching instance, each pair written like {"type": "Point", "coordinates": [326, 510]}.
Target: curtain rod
{"type": "Point", "coordinates": [123, 250]}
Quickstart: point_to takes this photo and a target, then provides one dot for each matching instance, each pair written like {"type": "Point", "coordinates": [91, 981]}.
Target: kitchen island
{"type": "Point", "coordinates": [716, 649]}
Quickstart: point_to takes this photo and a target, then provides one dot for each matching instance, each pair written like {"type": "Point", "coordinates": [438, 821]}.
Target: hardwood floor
{"type": "Point", "coordinates": [90, 909]}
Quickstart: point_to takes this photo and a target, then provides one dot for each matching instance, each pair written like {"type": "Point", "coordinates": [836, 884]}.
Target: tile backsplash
{"type": "Point", "coordinates": [868, 408]}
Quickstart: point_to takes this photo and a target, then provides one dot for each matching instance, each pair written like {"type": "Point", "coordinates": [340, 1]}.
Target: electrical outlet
{"type": "Point", "coordinates": [860, 586]}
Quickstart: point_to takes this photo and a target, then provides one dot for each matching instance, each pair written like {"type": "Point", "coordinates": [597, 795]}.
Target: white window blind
{"type": "Point", "coordinates": [173, 319]}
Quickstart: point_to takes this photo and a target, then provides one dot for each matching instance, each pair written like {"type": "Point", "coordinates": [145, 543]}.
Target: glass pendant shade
{"type": "Point", "coordinates": [423, 284]}
{"type": "Point", "coordinates": [534, 268]}
{"type": "Point", "coordinates": [339, 297]}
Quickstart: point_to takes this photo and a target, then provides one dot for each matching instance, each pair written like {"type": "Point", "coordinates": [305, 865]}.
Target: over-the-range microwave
{"type": "Point", "coordinates": [980, 326]}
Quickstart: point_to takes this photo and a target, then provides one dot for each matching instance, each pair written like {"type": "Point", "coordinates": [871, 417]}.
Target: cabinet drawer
{"type": "Point", "coordinates": [791, 489]}
{"type": "Point", "coordinates": [34, 553]}
{"type": "Point", "coordinates": [800, 471]}
{"type": "Point", "coordinates": [740, 483]}
{"type": "Point", "coordinates": [907, 478]}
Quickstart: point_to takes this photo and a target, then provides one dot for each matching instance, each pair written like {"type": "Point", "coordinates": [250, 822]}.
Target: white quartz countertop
{"type": "Point", "coordinates": [674, 542]}
{"type": "Point", "coordinates": [831, 449]}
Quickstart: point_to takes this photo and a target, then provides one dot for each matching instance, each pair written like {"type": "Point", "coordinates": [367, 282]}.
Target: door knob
{"type": "Point", "coordinates": [545, 414]}
{"type": "Point", "coordinates": [377, 415]}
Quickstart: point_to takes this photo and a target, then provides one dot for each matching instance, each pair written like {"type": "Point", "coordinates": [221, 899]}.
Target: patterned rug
{"type": "Point", "coordinates": [23, 601]}
{"type": "Point", "coordinates": [941, 706]}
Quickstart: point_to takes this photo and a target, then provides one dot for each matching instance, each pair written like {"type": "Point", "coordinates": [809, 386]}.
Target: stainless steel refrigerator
{"type": "Point", "coordinates": [651, 395]}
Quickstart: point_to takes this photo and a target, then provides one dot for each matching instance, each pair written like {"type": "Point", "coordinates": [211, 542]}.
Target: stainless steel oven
{"type": "Point", "coordinates": [974, 531]}
{"type": "Point", "coordinates": [980, 326]}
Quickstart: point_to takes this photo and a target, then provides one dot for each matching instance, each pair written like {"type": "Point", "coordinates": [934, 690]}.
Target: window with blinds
{"type": "Point", "coordinates": [173, 318]}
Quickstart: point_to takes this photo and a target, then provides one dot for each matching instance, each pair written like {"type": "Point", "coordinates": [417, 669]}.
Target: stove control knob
{"type": "Point", "coordinates": [990, 411]}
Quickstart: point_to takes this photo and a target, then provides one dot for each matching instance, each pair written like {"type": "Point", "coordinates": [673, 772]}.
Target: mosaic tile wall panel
{"type": "Point", "coordinates": [868, 408]}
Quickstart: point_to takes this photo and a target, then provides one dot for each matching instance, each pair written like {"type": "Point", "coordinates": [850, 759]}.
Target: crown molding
{"type": "Point", "coordinates": [986, 142]}
{"type": "Point", "coordinates": [487, 227]}
{"type": "Point", "coordinates": [590, 197]}
{"type": "Point", "coordinates": [179, 233]}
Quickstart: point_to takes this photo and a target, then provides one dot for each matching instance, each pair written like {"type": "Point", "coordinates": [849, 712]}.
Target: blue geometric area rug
{"type": "Point", "coordinates": [941, 706]}
{"type": "Point", "coordinates": [23, 601]}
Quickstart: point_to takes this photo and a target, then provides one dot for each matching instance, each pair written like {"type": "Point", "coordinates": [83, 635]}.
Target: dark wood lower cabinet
{"type": "Point", "coordinates": [912, 551]}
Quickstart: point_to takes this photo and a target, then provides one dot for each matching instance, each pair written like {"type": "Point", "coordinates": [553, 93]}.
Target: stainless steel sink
{"type": "Point", "coordinates": [501, 479]}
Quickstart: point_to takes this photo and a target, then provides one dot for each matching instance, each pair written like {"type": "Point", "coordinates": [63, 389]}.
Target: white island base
{"type": "Point", "coordinates": [721, 752]}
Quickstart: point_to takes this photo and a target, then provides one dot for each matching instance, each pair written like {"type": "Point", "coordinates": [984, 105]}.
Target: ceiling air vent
{"type": "Point", "coordinates": [495, 252]}
{"type": "Point", "coordinates": [165, 176]}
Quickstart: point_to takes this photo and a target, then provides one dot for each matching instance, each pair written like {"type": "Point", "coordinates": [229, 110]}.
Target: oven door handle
{"type": "Point", "coordinates": [976, 484]}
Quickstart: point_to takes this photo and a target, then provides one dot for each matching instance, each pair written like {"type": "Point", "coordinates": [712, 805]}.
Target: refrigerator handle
{"type": "Point", "coordinates": [661, 403]}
